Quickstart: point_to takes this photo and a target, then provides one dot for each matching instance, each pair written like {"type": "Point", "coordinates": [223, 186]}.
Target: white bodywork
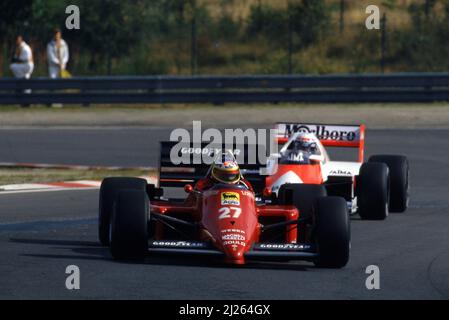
{"type": "Point", "coordinates": [328, 168]}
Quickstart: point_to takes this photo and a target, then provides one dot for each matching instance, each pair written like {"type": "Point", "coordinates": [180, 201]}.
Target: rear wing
{"type": "Point", "coordinates": [330, 135]}
{"type": "Point", "coordinates": [177, 175]}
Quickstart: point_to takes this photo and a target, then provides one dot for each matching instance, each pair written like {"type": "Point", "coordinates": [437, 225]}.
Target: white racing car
{"type": "Point", "coordinates": [302, 171]}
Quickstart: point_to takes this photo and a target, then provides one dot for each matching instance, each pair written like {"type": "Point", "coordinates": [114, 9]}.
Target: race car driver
{"type": "Point", "coordinates": [224, 169]}
{"type": "Point", "coordinates": [300, 150]}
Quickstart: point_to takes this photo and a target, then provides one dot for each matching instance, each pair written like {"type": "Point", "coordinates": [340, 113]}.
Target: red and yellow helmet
{"type": "Point", "coordinates": [225, 168]}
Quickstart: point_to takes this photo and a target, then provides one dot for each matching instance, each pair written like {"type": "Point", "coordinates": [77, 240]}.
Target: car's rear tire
{"type": "Point", "coordinates": [399, 180]}
{"type": "Point", "coordinates": [373, 191]}
{"type": "Point", "coordinates": [108, 193]}
{"type": "Point", "coordinates": [332, 232]}
{"type": "Point", "coordinates": [302, 196]}
{"type": "Point", "coordinates": [129, 225]}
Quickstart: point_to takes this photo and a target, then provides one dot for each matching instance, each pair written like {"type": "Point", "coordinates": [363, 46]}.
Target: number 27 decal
{"type": "Point", "coordinates": [229, 212]}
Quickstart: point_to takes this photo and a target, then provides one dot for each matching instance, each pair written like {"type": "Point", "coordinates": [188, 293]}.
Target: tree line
{"type": "Point", "coordinates": [187, 36]}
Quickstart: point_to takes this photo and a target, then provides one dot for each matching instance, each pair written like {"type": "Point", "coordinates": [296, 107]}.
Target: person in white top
{"type": "Point", "coordinates": [22, 65]}
{"type": "Point", "coordinates": [57, 55]}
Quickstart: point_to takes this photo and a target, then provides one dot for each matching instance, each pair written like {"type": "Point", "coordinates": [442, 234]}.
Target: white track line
{"type": "Point", "coordinates": [47, 190]}
{"type": "Point", "coordinates": [42, 187]}
{"type": "Point", "coordinates": [68, 166]}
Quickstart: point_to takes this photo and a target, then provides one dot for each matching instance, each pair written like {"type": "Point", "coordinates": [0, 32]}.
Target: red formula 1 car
{"type": "Point", "coordinates": [372, 189]}
{"type": "Point", "coordinates": [226, 220]}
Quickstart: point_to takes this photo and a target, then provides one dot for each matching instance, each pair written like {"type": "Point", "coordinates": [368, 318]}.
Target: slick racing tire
{"type": "Point", "coordinates": [399, 180]}
{"type": "Point", "coordinates": [108, 192]}
{"type": "Point", "coordinates": [373, 184]}
{"type": "Point", "coordinates": [302, 196]}
{"type": "Point", "coordinates": [332, 233]}
{"type": "Point", "coordinates": [129, 225]}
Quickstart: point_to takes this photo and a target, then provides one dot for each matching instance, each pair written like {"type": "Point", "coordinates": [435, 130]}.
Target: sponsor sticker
{"type": "Point", "coordinates": [232, 231]}
{"type": "Point", "coordinates": [247, 194]}
{"type": "Point", "coordinates": [205, 151]}
{"type": "Point", "coordinates": [340, 173]}
{"type": "Point", "coordinates": [230, 198]}
{"type": "Point", "coordinates": [178, 244]}
{"type": "Point", "coordinates": [323, 132]}
{"type": "Point", "coordinates": [233, 243]}
{"type": "Point", "coordinates": [233, 236]}
{"type": "Point", "coordinates": [289, 246]}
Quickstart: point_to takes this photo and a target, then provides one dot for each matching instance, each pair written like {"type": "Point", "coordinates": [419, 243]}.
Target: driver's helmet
{"type": "Point", "coordinates": [225, 168]}
{"type": "Point", "coordinates": [305, 143]}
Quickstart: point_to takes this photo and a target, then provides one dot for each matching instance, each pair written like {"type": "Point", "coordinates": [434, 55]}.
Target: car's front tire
{"type": "Point", "coordinates": [304, 198]}
{"type": "Point", "coordinates": [129, 225]}
{"type": "Point", "coordinates": [332, 232]}
{"type": "Point", "coordinates": [108, 193]}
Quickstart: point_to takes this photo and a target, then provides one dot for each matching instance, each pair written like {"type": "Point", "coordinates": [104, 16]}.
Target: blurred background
{"type": "Point", "coordinates": [183, 37]}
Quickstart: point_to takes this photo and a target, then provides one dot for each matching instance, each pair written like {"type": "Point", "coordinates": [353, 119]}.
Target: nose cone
{"type": "Point", "coordinates": [234, 244]}
{"type": "Point", "coordinates": [229, 214]}
{"type": "Point", "coordinates": [234, 252]}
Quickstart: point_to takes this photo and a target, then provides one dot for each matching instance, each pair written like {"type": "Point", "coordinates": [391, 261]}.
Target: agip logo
{"type": "Point", "coordinates": [230, 198]}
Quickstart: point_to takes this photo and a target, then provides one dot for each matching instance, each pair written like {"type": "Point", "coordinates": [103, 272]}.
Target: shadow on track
{"type": "Point", "coordinates": [57, 242]}
{"type": "Point", "coordinates": [89, 250]}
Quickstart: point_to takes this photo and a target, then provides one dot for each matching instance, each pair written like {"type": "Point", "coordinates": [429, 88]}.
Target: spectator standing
{"type": "Point", "coordinates": [57, 55]}
{"type": "Point", "coordinates": [22, 65]}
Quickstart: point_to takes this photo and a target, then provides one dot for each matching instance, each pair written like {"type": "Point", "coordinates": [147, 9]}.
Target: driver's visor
{"type": "Point", "coordinates": [226, 176]}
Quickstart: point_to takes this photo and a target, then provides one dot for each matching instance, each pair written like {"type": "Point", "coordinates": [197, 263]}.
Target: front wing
{"type": "Point", "coordinates": [287, 251]}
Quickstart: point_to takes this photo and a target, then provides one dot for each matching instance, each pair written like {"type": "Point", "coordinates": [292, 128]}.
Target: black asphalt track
{"type": "Point", "coordinates": [42, 233]}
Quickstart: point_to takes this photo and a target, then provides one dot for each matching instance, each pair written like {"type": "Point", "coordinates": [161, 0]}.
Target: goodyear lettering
{"type": "Point", "coordinates": [205, 151]}
{"type": "Point", "coordinates": [283, 246]}
{"type": "Point", "coordinates": [177, 244]}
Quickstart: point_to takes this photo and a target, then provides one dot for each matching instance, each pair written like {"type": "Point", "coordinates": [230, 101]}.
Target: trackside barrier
{"type": "Point", "coordinates": [401, 87]}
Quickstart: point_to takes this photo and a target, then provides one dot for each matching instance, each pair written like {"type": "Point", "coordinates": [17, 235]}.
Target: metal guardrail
{"type": "Point", "coordinates": [403, 87]}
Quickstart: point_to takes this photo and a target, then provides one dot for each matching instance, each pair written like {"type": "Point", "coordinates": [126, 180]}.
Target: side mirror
{"type": "Point", "coordinates": [188, 188]}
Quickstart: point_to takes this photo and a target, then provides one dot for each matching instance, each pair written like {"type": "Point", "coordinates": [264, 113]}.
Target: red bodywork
{"type": "Point", "coordinates": [311, 173]}
{"type": "Point", "coordinates": [228, 218]}
{"type": "Point", "coordinates": [308, 173]}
